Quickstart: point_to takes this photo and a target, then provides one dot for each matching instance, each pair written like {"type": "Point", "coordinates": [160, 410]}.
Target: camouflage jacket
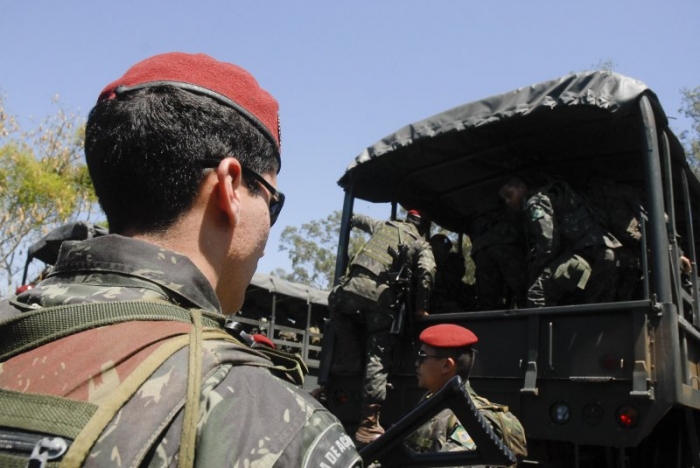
{"type": "Point", "coordinates": [619, 207]}
{"type": "Point", "coordinates": [444, 433]}
{"type": "Point", "coordinates": [420, 255]}
{"type": "Point", "coordinates": [248, 417]}
{"type": "Point", "coordinates": [498, 228]}
{"type": "Point", "coordinates": [557, 220]}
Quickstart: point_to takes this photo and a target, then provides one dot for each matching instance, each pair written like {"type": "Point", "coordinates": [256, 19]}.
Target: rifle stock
{"type": "Point", "coordinates": [389, 449]}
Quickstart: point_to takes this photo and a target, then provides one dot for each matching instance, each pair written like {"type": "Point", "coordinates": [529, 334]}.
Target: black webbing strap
{"type": "Point", "coordinates": [35, 328]}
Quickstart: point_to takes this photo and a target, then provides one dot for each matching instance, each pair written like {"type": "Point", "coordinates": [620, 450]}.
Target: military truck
{"type": "Point", "coordinates": [290, 314]}
{"type": "Point", "coordinates": [611, 384]}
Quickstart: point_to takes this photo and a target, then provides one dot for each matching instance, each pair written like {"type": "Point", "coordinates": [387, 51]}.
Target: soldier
{"type": "Point", "coordinates": [183, 151]}
{"type": "Point", "coordinates": [449, 291]}
{"type": "Point", "coordinates": [499, 257]}
{"type": "Point", "coordinates": [365, 304]}
{"type": "Point", "coordinates": [446, 351]}
{"type": "Point", "coordinates": [619, 207]}
{"type": "Point", "coordinates": [571, 257]}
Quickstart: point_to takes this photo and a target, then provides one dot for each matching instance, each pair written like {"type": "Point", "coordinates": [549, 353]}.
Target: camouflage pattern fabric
{"type": "Point", "coordinates": [420, 256]}
{"type": "Point", "coordinates": [619, 207]}
{"type": "Point", "coordinates": [444, 433]}
{"type": "Point", "coordinates": [569, 251]}
{"type": "Point", "coordinates": [240, 424]}
{"type": "Point", "coordinates": [363, 307]}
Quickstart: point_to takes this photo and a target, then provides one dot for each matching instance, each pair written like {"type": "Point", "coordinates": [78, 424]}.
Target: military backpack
{"type": "Point", "coordinates": [45, 430]}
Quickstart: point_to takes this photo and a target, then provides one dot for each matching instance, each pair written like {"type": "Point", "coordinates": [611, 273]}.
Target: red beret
{"type": "Point", "coordinates": [447, 335]}
{"type": "Point", "coordinates": [415, 213]}
{"type": "Point", "coordinates": [228, 84]}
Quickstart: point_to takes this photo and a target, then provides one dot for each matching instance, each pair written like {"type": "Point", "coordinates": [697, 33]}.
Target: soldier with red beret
{"type": "Point", "coordinates": [446, 351]}
{"type": "Point", "coordinates": [183, 151]}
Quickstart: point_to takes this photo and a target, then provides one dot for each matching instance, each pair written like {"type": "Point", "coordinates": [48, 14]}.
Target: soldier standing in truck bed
{"type": "Point", "coordinates": [364, 305]}
{"type": "Point", "coordinates": [619, 206]}
{"type": "Point", "coordinates": [450, 292]}
{"type": "Point", "coordinates": [571, 256]}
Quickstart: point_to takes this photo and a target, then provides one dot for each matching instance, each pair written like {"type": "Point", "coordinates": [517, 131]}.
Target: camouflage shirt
{"type": "Point", "coordinates": [248, 417]}
{"type": "Point", "coordinates": [558, 220]}
{"type": "Point", "coordinates": [444, 432]}
{"type": "Point", "coordinates": [420, 255]}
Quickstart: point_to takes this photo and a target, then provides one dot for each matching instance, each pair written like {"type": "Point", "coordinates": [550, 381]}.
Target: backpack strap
{"type": "Point", "coordinates": [194, 382]}
{"type": "Point", "coordinates": [30, 330]}
{"type": "Point", "coordinates": [80, 448]}
{"type": "Point", "coordinates": [33, 329]}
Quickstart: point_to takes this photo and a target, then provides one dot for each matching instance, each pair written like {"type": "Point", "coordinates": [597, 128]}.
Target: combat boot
{"type": "Point", "coordinates": [369, 428]}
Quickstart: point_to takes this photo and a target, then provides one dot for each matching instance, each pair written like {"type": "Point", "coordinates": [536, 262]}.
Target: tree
{"type": "Point", "coordinates": [691, 138]}
{"type": "Point", "coordinates": [43, 184]}
{"type": "Point", "coordinates": [313, 248]}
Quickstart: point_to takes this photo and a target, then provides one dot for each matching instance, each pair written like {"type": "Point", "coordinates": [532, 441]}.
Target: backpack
{"type": "Point", "coordinates": [38, 430]}
{"type": "Point", "coordinates": [503, 422]}
{"type": "Point", "coordinates": [619, 207]}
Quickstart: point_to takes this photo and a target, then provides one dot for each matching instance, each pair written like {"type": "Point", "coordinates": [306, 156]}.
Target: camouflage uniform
{"type": "Point", "coordinates": [499, 256]}
{"type": "Point", "coordinates": [444, 433]}
{"type": "Point", "coordinates": [619, 207]}
{"type": "Point", "coordinates": [363, 306]}
{"type": "Point", "coordinates": [248, 417]}
{"type": "Point", "coordinates": [571, 256]}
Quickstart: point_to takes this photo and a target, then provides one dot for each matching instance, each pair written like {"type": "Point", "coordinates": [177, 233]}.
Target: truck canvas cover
{"type": "Point", "coordinates": [459, 158]}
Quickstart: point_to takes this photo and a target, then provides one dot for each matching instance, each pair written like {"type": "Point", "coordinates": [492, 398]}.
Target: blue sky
{"type": "Point", "coordinates": [345, 73]}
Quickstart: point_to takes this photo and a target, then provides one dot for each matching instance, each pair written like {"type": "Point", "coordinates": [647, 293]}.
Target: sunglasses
{"type": "Point", "coordinates": [422, 356]}
{"type": "Point", "coordinates": [276, 197]}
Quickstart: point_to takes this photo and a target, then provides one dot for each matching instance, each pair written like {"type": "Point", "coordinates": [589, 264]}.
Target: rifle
{"type": "Point", "coordinates": [389, 449]}
{"type": "Point", "coordinates": [401, 283]}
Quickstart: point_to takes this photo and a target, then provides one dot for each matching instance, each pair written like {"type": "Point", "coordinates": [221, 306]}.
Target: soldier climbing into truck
{"type": "Point", "coordinates": [366, 305]}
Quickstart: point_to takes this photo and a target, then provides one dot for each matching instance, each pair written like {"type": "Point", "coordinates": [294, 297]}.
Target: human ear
{"type": "Point", "coordinates": [450, 365]}
{"type": "Point", "coordinates": [228, 174]}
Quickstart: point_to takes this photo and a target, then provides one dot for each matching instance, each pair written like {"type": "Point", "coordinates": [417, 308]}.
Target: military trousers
{"type": "Point", "coordinates": [573, 279]}
{"type": "Point", "coordinates": [362, 328]}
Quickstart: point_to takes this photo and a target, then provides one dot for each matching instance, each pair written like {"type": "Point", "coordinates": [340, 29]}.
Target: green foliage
{"type": "Point", "coordinates": [691, 138]}
{"type": "Point", "coordinates": [313, 248]}
{"type": "Point", "coordinates": [43, 184]}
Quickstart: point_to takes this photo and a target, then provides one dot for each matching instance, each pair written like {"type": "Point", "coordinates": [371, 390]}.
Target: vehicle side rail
{"type": "Point", "coordinates": [389, 449]}
{"type": "Point", "coordinates": [597, 308]}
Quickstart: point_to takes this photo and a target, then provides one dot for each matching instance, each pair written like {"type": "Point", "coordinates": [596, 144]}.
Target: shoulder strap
{"type": "Point", "coordinates": [30, 330]}
{"type": "Point", "coordinates": [35, 328]}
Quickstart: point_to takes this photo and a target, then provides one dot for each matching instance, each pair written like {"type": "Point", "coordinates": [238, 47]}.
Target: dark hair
{"type": "Point", "coordinates": [144, 151]}
{"type": "Point", "coordinates": [464, 358]}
